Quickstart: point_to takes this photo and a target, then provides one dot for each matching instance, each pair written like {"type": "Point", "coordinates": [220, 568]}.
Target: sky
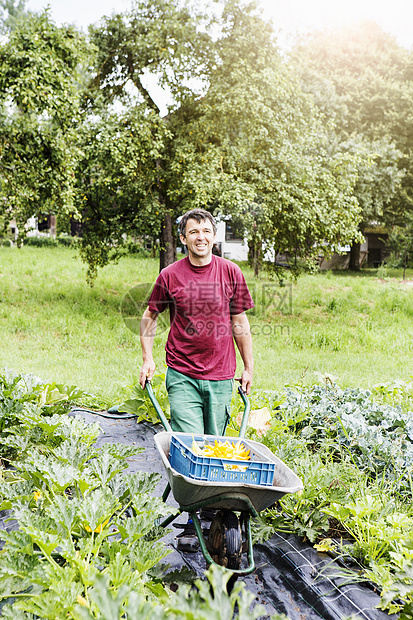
{"type": "Point", "coordinates": [289, 16]}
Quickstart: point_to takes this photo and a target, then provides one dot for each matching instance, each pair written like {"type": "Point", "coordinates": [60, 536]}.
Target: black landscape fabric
{"type": "Point", "coordinates": [290, 577]}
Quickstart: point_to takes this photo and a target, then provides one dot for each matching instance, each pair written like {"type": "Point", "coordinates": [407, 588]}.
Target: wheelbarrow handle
{"type": "Point", "coordinates": [153, 399]}
{"type": "Point", "coordinates": [247, 409]}
{"type": "Point", "coordinates": [167, 426]}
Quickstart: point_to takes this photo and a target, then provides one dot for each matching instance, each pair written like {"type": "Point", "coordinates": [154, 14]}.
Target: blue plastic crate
{"type": "Point", "coordinates": [211, 469]}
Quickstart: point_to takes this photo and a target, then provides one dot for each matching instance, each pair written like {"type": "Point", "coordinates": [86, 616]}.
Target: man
{"type": "Point", "coordinates": [207, 298]}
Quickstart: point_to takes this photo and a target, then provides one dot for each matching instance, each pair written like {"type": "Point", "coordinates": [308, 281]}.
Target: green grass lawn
{"type": "Point", "coordinates": [52, 324]}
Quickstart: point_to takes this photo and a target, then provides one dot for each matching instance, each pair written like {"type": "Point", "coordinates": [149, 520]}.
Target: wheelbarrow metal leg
{"type": "Point", "coordinates": [166, 492]}
{"type": "Point", "coordinates": [168, 520]}
{"type": "Point", "coordinates": [244, 571]}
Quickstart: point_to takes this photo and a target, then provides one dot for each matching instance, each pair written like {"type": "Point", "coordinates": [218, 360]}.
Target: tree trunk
{"type": "Point", "coordinates": [168, 242]}
{"type": "Point", "coordinates": [355, 257]}
{"type": "Point", "coordinates": [405, 262]}
{"type": "Point", "coordinates": [256, 263]}
{"type": "Point", "coordinates": [255, 258]}
{"type": "Point", "coordinates": [254, 255]}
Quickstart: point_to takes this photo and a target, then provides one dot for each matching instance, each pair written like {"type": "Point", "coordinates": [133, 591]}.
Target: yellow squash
{"type": "Point", "coordinates": [223, 450]}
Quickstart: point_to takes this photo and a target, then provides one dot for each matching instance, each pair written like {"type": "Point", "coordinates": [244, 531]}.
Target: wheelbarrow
{"type": "Point", "coordinates": [229, 543]}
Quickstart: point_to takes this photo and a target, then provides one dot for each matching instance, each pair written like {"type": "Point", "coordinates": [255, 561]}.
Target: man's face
{"type": "Point", "coordinates": [199, 239]}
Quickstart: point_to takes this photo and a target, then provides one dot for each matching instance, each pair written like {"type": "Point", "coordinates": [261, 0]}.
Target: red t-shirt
{"type": "Point", "coordinates": [201, 301]}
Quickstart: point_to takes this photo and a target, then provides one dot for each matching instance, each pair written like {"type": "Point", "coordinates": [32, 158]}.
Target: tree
{"type": "Point", "coordinates": [115, 180]}
{"type": "Point", "coordinates": [240, 135]}
{"type": "Point", "coordinates": [247, 139]}
{"type": "Point", "coordinates": [38, 114]}
{"type": "Point", "coordinates": [167, 41]}
{"type": "Point", "coordinates": [272, 167]}
{"type": "Point", "coordinates": [10, 12]}
{"type": "Point", "coordinates": [378, 182]}
{"type": "Point", "coordinates": [361, 80]}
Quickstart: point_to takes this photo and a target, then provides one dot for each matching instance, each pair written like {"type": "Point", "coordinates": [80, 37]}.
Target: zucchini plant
{"type": "Point", "coordinates": [82, 542]}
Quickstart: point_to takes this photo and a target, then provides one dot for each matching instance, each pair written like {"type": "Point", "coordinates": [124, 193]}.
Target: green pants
{"type": "Point", "coordinates": [198, 405]}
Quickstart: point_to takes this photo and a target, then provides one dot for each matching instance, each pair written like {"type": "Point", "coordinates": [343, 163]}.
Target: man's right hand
{"type": "Point", "coordinates": [147, 372]}
{"type": "Point", "coordinates": [147, 335]}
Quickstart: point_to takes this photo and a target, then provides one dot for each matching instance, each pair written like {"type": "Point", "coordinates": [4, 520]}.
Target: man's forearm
{"type": "Point", "coordinates": [244, 344]}
{"type": "Point", "coordinates": [147, 336]}
{"type": "Point", "coordinates": [242, 336]}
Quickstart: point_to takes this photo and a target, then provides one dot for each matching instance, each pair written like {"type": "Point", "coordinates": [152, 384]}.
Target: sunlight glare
{"type": "Point", "coordinates": [295, 16]}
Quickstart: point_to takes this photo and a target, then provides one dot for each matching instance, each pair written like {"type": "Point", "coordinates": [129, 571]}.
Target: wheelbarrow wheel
{"type": "Point", "coordinates": [225, 540]}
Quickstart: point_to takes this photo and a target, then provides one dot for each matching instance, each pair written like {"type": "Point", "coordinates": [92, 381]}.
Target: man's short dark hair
{"type": "Point", "coordinates": [198, 215]}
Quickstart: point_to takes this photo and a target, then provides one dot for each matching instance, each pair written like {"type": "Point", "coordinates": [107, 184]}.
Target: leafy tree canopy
{"type": "Point", "coordinates": [10, 12]}
{"type": "Point", "coordinates": [240, 135]}
{"type": "Point", "coordinates": [243, 135]}
{"type": "Point", "coordinates": [369, 72]}
{"type": "Point", "coordinates": [116, 182]}
{"type": "Point", "coordinates": [39, 111]}
{"type": "Point", "coordinates": [363, 80]}
{"type": "Point", "coordinates": [277, 171]}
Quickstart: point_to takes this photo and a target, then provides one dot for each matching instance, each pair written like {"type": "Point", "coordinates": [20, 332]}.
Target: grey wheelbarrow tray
{"type": "Point", "coordinates": [250, 499]}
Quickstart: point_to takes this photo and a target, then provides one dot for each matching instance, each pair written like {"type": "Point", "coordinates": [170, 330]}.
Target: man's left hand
{"type": "Point", "coordinates": [246, 381]}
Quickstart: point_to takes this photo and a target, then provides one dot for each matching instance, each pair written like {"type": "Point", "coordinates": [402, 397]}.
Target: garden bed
{"type": "Point", "coordinates": [54, 454]}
